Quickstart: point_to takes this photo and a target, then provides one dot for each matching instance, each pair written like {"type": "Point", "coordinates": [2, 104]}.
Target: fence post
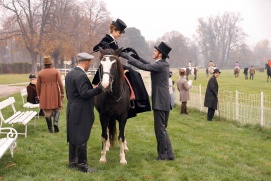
{"type": "Point", "coordinates": [262, 110]}
{"type": "Point", "coordinates": [200, 98]}
{"type": "Point", "coordinates": [237, 106]}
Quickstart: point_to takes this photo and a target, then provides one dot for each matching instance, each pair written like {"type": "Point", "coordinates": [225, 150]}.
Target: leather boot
{"type": "Point", "coordinates": [49, 124]}
{"type": "Point", "coordinates": [182, 108]}
{"type": "Point", "coordinates": [73, 158]}
{"type": "Point", "coordinates": [82, 159]}
{"type": "Point", "coordinates": [56, 118]}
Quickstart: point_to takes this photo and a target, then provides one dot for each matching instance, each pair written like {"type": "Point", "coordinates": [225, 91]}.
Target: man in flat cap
{"type": "Point", "coordinates": [80, 112]}
{"type": "Point", "coordinates": [160, 95]}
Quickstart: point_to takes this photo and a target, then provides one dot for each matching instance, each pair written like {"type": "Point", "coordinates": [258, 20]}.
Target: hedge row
{"type": "Point", "coordinates": [17, 68]}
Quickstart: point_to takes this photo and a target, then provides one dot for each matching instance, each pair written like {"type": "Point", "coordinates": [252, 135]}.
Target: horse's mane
{"type": "Point", "coordinates": [119, 65]}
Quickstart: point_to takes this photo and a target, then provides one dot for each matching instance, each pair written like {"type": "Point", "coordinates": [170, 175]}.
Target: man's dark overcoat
{"type": "Point", "coordinates": [211, 94]}
{"type": "Point", "coordinates": [80, 107]}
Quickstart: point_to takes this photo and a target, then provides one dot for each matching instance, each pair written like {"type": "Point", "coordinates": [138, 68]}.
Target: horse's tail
{"type": "Point", "coordinates": [112, 131]}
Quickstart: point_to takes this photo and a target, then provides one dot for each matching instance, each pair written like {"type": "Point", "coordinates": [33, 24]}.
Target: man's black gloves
{"type": "Point", "coordinates": [135, 56]}
{"type": "Point", "coordinates": [124, 55]}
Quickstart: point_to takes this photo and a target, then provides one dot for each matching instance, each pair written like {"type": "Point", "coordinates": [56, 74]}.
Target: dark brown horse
{"type": "Point", "coordinates": [268, 71]}
{"type": "Point", "coordinates": [114, 103]}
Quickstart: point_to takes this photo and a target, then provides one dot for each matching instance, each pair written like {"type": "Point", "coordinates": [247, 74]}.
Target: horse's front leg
{"type": "Point", "coordinates": [122, 141]}
{"type": "Point", "coordinates": [104, 124]}
{"type": "Point", "coordinates": [103, 152]}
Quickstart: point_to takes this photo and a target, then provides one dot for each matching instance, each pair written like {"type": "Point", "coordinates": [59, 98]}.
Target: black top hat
{"type": "Point", "coordinates": [32, 76]}
{"type": "Point", "coordinates": [120, 25]}
{"type": "Point", "coordinates": [216, 71]}
{"type": "Point", "coordinates": [164, 49]}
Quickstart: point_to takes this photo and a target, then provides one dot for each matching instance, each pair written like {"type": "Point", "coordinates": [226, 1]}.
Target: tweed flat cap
{"type": "Point", "coordinates": [84, 56]}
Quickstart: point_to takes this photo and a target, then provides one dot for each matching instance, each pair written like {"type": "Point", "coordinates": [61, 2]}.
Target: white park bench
{"type": "Point", "coordinates": [29, 105]}
{"type": "Point", "coordinates": [20, 117]}
{"type": "Point", "coordinates": [8, 141]}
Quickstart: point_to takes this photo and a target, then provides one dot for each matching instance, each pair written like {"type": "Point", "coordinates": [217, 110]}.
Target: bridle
{"type": "Point", "coordinates": [111, 80]}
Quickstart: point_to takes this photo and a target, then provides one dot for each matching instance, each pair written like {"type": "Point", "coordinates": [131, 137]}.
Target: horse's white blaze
{"type": "Point", "coordinates": [107, 64]}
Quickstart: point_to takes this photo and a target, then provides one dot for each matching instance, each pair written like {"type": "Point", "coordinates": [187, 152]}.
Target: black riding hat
{"type": "Point", "coordinates": [164, 49]}
{"type": "Point", "coordinates": [120, 25]}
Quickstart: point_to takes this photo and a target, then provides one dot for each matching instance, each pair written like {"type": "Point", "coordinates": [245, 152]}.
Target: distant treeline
{"type": "Point", "coordinates": [16, 68]}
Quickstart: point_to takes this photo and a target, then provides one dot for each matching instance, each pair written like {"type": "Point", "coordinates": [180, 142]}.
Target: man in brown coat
{"type": "Point", "coordinates": [50, 92]}
{"type": "Point", "coordinates": [251, 72]}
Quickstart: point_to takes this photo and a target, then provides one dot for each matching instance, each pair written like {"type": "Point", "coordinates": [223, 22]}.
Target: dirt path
{"type": "Point", "coordinates": [6, 90]}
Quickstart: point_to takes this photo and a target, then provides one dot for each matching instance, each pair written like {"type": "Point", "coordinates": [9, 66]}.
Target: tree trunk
{"type": "Point", "coordinates": [34, 56]}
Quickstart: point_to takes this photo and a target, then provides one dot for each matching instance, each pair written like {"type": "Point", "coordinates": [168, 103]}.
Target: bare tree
{"type": "Point", "coordinates": [182, 49]}
{"type": "Point", "coordinates": [262, 52]}
{"type": "Point", "coordinates": [219, 36]}
{"type": "Point", "coordinates": [30, 20]}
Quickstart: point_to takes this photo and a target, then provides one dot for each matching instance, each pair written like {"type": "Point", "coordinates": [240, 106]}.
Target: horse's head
{"type": "Point", "coordinates": [111, 67]}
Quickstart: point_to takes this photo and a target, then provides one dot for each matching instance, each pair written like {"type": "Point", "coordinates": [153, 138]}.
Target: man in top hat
{"type": "Point", "coordinates": [80, 112]}
{"type": "Point", "coordinates": [211, 95]}
{"type": "Point", "coordinates": [160, 95]}
{"type": "Point", "coordinates": [50, 92]}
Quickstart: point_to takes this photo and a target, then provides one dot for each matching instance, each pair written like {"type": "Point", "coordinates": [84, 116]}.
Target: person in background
{"type": "Point", "coordinates": [251, 72]}
{"type": "Point", "coordinates": [171, 89]}
{"type": "Point", "coordinates": [269, 63]}
{"type": "Point", "coordinates": [211, 64]}
{"type": "Point", "coordinates": [195, 72]}
{"type": "Point", "coordinates": [187, 72]}
{"type": "Point", "coordinates": [50, 91]}
{"type": "Point", "coordinates": [211, 95]}
{"type": "Point", "coordinates": [31, 90]}
{"type": "Point", "coordinates": [246, 73]}
{"type": "Point", "coordinates": [160, 95]}
{"type": "Point", "coordinates": [80, 112]}
{"type": "Point", "coordinates": [183, 88]}
{"type": "Point", "coordinates": [236, 65]}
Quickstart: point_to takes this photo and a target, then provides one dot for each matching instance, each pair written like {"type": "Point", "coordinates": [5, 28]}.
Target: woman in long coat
{"type": "Point", "coordinates": [50, 92]}
{"type": "Point", "coordinates": [211, 95]}
{"type": "Point", "coordinates": [183, 88]}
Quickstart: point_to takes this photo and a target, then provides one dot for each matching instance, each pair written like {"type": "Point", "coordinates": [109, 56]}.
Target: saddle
{"type": "Point", "coordinates": [132, 94]}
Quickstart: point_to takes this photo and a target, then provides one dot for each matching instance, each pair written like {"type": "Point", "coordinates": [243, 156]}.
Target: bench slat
{"type": "Point", "coordinates": [24, 117]}
{"type": "Point", "coordinates": [7, 144]}
{"type": "Point", "coordinates": [12, 117]}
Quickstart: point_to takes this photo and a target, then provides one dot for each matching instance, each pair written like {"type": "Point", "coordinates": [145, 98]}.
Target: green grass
{"type": "Point", "coordinates": [227, 81]}
{"type": "Point", "coordinates": [218, 150]}
{"type": "Point", "coordinates": [13, 78]}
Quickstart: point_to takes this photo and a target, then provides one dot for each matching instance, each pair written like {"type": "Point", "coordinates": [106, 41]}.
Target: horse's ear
{"type": "Point", "coordinates": [117, 52]}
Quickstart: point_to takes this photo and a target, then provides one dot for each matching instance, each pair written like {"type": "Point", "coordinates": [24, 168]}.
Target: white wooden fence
{"type": "Point", "coordinates": [239, 106]}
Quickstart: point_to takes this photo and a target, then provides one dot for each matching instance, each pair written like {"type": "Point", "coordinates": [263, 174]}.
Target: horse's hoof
{"type": "Point", "coordinates": [102, 161]}
{"type": "Point", "coordinates": [126, 149]}
{"type": "Point", "coordinates": [123, 162]}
